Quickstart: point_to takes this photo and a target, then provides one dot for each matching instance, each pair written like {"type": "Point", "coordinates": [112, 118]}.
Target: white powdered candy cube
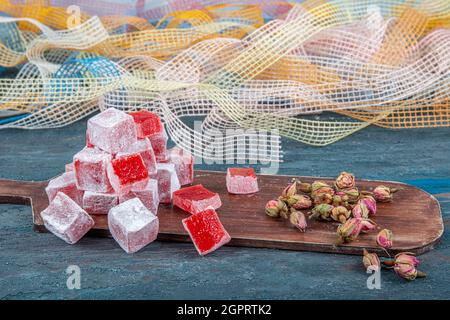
{"type": "Point", "coordinates": [66, 184]}
{"type": "Point", "coordinates": [69, 167]}
{"type": "Point", "coordinates": [132, 225]}
{"type": "Point", "coordinates": [99, 203]}
{"type": "Point", "coordinates": [184, 164]}
{"type": "Point", "coordinates": [90, 170]}
{"type": "Point", "coordinates": [168, 181]}
{"type": "Point", "coordinates": [149, 196]}
{"type": "Point", "coordinates": [112, 130]}
{"type": "Point", "coordinates": [145, 149]}
{"type": "Point", "coordinates": [242, 181]}
{"type": "Point", "coordinates": [66, 219]}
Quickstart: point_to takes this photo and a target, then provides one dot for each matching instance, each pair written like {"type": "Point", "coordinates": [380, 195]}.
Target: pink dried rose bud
{"type": "Point", "coordinates": [371, 260]}
{"type": "Point", "coordinates": [383, 193]}
{"type": "Point", "coordinates": [345, 181]}
{"type": "Point", "coordinates": [323, 198]}
{"type": "Point", "coordinates": [290, 190]}
{"type": "Point", "coordinates": [299, 201]}
{"type": "Point", "coordinates": [274, 208]}
{"type": "Point", "coordinates": [405, 264]}
{"type": "Point", "coordinates": [297, 218]}
{"type": "Point", "coordinates": [349, 231]}
{"type": "Point", "coordinates": [367, 225]}
{"type": "Point", "coordinates": [340, 214]}
{"type": "Point", "coordinates": [370, 203]}
{"type": "Point", "coordinates": [352, 194]}
{"type": "Point", "coordinates": [360, 210]}
{"type": "Point", "coordinates": [384, 238]}
{"type": "Point", "coordinates": [304, 187]}
{"type": "Point", "coordinates": [319, 187]}
{"type": "Point", "coordinates": [321, 211]}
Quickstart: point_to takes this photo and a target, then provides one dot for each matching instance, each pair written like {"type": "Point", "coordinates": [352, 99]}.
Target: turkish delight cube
{"type": "Point", "coordinates": [168, 181]}
{"type": "Point", "coordinates": [132, 225]}
{"type": "Point", "coordinates": [66, 219]}
{"type": "Point", "coordinates": [148, 195]}
{"type": "Point", "coordinates": [206, 231]}
{"type": "Point", "coordinates": [149, 125]}
{"type": "Point", "coordinates": [127, 172]}
{"type": "Point", "coordinates": [112, 130]}
{"type": "Point", "coordinates": [241, 181]}
{"type": "Point", "coordinates": [99, 203]}
{"type": "Point", "coordinates": [184, 164]}
{"type": "Point", "coordinates": [145, 149]}
{"type": "Point", "coordinates": [68, 167]}
{"type": "Point", "coordinates": [90, 166]}
{"type": "Point", "coordinates": [196, 199]}
{"type": "Point", "coordinates": [66, 184]}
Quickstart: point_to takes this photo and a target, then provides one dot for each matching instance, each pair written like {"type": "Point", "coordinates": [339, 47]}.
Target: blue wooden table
{"type": "Point", "coordinates": [33, 266]}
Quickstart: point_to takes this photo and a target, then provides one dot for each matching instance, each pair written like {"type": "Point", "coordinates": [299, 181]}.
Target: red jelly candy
{"type": "Point", "coordinates": [196, 199]}
{"type": "Point", "coordinates": [127, 172]}
{"type": "Point", "coordinates": [206, 231]}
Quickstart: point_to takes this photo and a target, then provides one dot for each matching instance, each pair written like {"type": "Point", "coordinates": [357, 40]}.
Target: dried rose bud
{"type": "Point", "coordinates": [349, 231]}
{"type": "Point", "coordinates": [304, 187]}
{"type": "Point", "coordinates": [275, 207]}
{"type": "Point", "coordinates": [321, 211]}
{"type": "Point", "coordinates": [367, 225]}
{"type": "Point", "coordinates": [383, 193]}
{"type": "Point", "coordinates": [360, 210]}
{"type": "Point", "coordinates": [384, 238]}
{"type": "Point", "coordinates": [319, 188]}
{"type": "Point", "coordinates": [340, 214]}
{"type": "Point", "coordinates": [297, 218]}
{"type": "Point", "coordinates": [352, 194]}
{"type": "Point", "coordinates": [405, 264]}
{"type": "Point", "coordinates": [290, 190]}
{"type": "Point", "coordinates": [300, 202]}
{"type": "Point", "coordinates": [323, 198]}
{"type": "Point", "coordinates": [340, 199]}
{"type": "Point", "coordinates": [370, 203]}
{"type": "Point", "coordinates": [345, 181]}
{"type": "Point", "coordinates": [371, 260]}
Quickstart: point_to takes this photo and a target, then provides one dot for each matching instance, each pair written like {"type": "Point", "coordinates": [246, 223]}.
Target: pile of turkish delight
{"type": "Point", "coordinates": [125, 171]}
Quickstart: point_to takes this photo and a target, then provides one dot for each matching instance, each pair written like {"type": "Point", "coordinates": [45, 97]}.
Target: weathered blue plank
{"type": "Point", "coordinates": [33, 265]}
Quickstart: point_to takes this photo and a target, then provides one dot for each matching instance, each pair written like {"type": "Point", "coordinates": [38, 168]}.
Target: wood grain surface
{"type": "Point", "coordinates": [414, 217]}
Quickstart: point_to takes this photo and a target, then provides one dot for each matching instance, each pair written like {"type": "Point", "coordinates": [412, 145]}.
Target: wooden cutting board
{"type": "Point", "coordinates": [414, 217]}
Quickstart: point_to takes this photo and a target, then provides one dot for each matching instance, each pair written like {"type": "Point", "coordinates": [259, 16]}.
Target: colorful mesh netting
{"type": "Point", "coordinates": [372, 62]}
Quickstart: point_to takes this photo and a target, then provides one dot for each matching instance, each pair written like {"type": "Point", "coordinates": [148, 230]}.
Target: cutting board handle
{"type": "Point", "coordinates": [20, 192]}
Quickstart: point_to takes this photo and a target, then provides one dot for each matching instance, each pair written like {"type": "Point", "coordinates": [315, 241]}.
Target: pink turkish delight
{"type": "Point", "coordinates": [127, 172]}
{"type": "Point", "coordinates": [69, 167]}
{"type": "Point", "coordinates": [149, 125]}
{"type": "Point", "coordinates": [241, 181]}
{"type": "Point", "coordinates": [132, 225]}
{"type": "Point", "coordinates": [148, 195]}
{"type": "Point", "coordinates": [184, 164]}
{"type": "Point", "coordinates": [167, 181]}
{"type": "Point", "coordinates": [206, 231]}
{"type": "Point", "coordinates": [66, 184]}
{"type": "Point", "coordinates": [112, 130]}
{"type": "Point", "coordinates": [90, 170]}
{"type": "Point", "coordinates": [66, 219]}
{"type": "Point", "coordinates": [145, 149]}
{"type": "Point", "coordinates": [99, 203]}
{"type": "Point", "coordinates": [196, 199]}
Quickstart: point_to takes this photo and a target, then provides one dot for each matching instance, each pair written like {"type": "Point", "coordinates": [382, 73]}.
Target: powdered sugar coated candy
{"type": "Point", "coordinates": [99, 203]}
{"type": "Point", "coordinates": [127, 172]}
{"type": "Point", "coordinates": [148, 195]}
{"type": "Point", "coordinates": [145, 149]}
{"type": "Point", "coordinates": [132, 225]}
{"type": "Point", "coordinates": [90, 170]}
{"type": "Point", "coordinates": [196, 199]}
{"type": "Point", "coordinates": [242, 181]}
{"type": "Point", "coordinates": [184, 164]}
{"type": "Point", "coordinates": [66, 219]}
{"type": "Point", "coordinates": [66, 184]}
{"type": "Point", "coordinates": [168, 181]}
{"type": "Point", "coordinates": [112, 130]}
{"type": "Point", "coordinates": [69, 167]}
{"type": "Point", "coordinates": [149, 125]}
{"type": "Point", "coordinates": [206, 231]}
